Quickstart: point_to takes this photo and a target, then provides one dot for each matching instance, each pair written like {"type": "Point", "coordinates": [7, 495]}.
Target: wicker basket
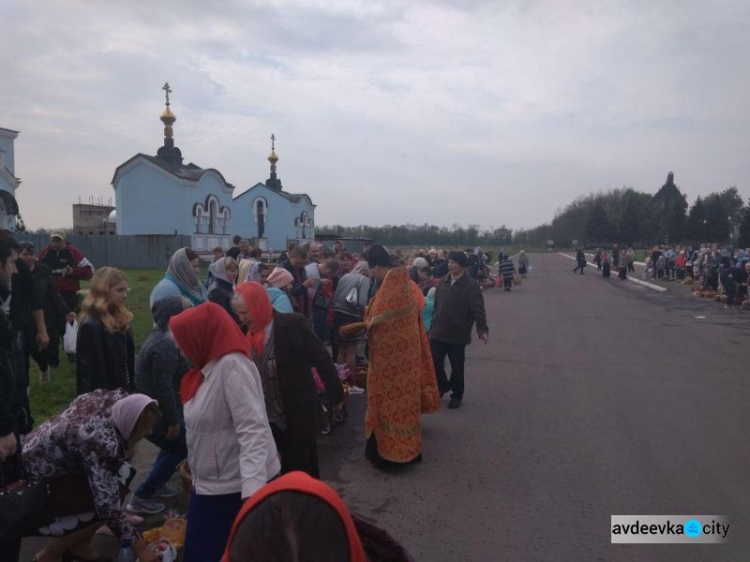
{"type": "Point", "coordinates": [183, 469]}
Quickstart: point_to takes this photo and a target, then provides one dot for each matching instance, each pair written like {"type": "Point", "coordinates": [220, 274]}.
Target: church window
{"type": "Point", "coordinates": [261, 220]}
{"type": "Point", "coordinates": [212, 217]}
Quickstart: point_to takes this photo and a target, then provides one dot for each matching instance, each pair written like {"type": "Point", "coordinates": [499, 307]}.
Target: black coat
{"type": "Point", "coordinates": [299, 291]}
{"type": "Point", "coordinates": [8, 386]}
{"type": "Point", "coordinates": [25, 297]}
{"type": "Point", "coordinates": [457, 308]}
{"type": "Point", "coordinates": [221, 292]}
{"type": "Point", "coordinates": [53, 305]}
{"type": "Point", "coordinates": [103, 360]}
{"type": "Point", "coordinates": [297, 349]}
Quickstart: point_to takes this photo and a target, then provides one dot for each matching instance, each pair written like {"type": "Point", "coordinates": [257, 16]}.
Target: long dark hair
{"type": "Point", "coordinates": [291, 527]}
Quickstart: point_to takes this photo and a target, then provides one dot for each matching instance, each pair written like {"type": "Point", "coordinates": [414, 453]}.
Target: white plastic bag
{"type": "Point", "coordinates": [70, 337]}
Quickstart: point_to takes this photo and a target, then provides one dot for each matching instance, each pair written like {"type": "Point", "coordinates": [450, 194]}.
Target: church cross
{"type": "Point", "coordinates": [273, 142]}
{"type": "Point", "coordinates": [167, 90]}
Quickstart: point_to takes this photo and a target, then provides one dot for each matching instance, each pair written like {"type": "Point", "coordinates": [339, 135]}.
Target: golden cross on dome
{"type": "Point", "coordinates": [167, 90]}
{"type": "Point", "coordinates": [273, 142]}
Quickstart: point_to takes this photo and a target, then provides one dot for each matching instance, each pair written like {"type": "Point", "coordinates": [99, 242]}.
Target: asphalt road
{"type": "Point", "coordinates": [593, 397]}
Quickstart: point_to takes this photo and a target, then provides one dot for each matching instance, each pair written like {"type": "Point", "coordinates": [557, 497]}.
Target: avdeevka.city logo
{"type": "Point", "coordinates": [693, 528]}
{"type": "Point", "coordinates": [677, 529]}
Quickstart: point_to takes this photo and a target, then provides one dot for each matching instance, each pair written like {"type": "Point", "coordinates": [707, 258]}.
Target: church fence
{"type": "Point", "coordinates": [142, 252]}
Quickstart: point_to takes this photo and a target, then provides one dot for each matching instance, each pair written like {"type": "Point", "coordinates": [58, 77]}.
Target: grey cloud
{"type": "Point", "coordinates": [520, 106]}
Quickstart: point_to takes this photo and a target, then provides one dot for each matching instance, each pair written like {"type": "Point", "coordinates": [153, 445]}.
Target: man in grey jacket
{"type": "Point", "coordinates": [458, 305]}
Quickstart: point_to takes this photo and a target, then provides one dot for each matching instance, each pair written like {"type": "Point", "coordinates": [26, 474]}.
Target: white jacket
{"type": "Point", "coordinates": [230, 444]}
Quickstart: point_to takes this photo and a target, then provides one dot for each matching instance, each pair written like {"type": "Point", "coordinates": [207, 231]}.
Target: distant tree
{"type": "Point", "coordinates": [636, 225]}
{"type": "Point", "coordinates": [732, 203]}
{"type": "Point", "coordinates": [744, 229]}
{"type": "Point", "coordinates": [697, 222]}
{"type": "Point", "coordinates": [717, 226]}
{"type": "Point", "coordinates": [598, 226]}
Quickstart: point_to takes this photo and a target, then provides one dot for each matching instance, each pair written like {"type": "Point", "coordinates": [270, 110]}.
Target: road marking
{"type": "Point", "coordinates": [629, 278]}
{"type": "Point", "coordinates": [701, 317]}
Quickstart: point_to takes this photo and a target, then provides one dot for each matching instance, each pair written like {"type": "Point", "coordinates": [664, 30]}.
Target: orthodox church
{"type": "Point", "coordinates": [8, 180]}
{"type": "Point", "coordinates": [162, 195]}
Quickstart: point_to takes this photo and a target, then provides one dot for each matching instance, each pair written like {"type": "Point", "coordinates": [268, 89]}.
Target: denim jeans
{"type": "Point", "coordinates": [456, 355]}
{"type": "Point", "coordinates": [170, 455]}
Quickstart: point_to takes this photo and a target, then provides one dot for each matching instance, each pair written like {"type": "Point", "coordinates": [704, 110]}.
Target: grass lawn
{"type": "Point", "coordinates": [52, 398]}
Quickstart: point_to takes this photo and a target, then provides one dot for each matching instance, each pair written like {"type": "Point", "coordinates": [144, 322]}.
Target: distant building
{"type": "Point", "coordinates": [163, 195]}
{"type": "Point", "coordinates": [8, 180]}
{"type": "Point", "coordinates": [92, 218]}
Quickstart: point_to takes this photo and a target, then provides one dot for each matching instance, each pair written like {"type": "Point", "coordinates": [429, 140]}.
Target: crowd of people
{"type": "Point", "coordinates": [231, 380]}
{"type": "Point", "coordinates": [710, 266]}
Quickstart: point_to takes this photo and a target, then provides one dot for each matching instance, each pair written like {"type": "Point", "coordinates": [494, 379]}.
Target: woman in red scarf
{"type": "Point", "coordinates": [285, 350]}
{"type": "Point", "coordinates": [296, 518]}
{"type": "Point", "coordinates": [231, 451]}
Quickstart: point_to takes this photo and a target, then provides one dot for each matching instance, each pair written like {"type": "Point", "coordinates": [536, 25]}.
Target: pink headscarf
{"type": "Point", "coordinates": [280, 277]}
{"type": "Point", "coordinates": [125, 412]}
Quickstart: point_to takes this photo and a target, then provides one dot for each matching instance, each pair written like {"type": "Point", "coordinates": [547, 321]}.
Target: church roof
{"type": "Point", "coordinates": [189, 172]}
{"type": "Point", "coordinates": [8, 133]}
{"type": "Point", "coordinates": [293, 197]}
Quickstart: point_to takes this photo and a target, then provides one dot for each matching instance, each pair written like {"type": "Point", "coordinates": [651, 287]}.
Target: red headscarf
{"type": "Point", "coordinates": [303, 483]}
{"type": "Point", "coordinates": [259, 310]}
{"type": "Point", "coordinates": [205, 333]}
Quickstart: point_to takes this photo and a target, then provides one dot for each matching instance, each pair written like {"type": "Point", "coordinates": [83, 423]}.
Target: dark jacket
{"type": "Point", "coordinates": [297, 349]}
{"type": "Point", "coordinates": [58, 260]}
{"type": "Point", "coordinates": [507, 268]}
{"type": "Point", "coordinates": [103, 360]}
{"type": "Point", "coordinates": [221, 292]}
{"type": "Point", "coordinates": [159, 367]}
{"type": "Point", "coordinates": [25, 298]}
{"type": "Point", "coordinates": [457, 307]}
{"type": "Point", "coordinates": [53, 305]}
{"type": "Point", "coordinates": [8, 386]}
{"type": "Point", "coordinates": [299, 291]}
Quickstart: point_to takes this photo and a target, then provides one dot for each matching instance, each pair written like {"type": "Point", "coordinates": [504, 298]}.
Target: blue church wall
{"type": "Point", "coordinates": [152, 201]}
{"type": "Point", "coordinates": [6, 145]}
{"type": "Point", "coordinates": [280, 218]}
{"type": "Point", "coordinates": [160, 195]}
{"type": "Point", "coordinates": [5, 186]}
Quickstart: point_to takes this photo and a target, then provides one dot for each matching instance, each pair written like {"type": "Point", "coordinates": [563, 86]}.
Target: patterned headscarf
{"type": "Point", "coordinates": [182, 274]}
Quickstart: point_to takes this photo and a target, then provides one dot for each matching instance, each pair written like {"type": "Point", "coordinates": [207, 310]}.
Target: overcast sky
{"type": "Point", "coordinates": [385, 112]}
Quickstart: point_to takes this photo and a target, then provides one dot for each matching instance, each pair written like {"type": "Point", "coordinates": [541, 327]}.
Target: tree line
{"type": "Point", "coordinates": [625, 216]}
{"type": "Point", "coordinates": [424, 235]}
{"type": "Point", "coordinates": [632, 217]}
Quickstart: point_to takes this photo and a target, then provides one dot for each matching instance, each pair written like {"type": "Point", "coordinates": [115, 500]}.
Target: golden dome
{"type": "Point", "coordinates": [272, 157]}
{"type": "Point", "coordinates": [167, 115]}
